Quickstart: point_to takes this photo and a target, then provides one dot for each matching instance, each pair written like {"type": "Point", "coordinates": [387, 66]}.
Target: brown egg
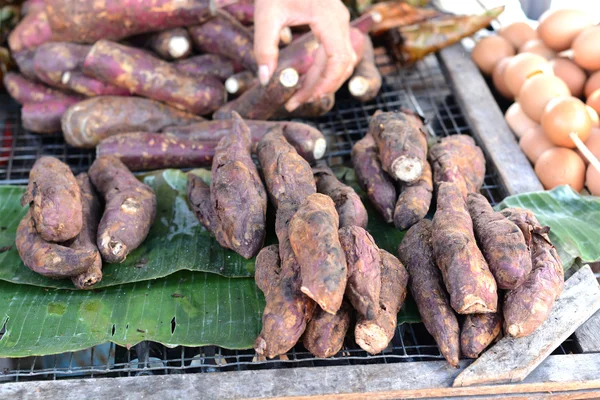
{"type": "Point", "coordinates": [570, 73]}
{"type": "Point", "coordinates": [593, 116]}
{"type": "Point", "coordinates": [518, 33]}
{"type": "Point", "coordinates": [592, 84]}
{"type": "Point", "coordinates": [586, 49]}
{"type": "Point", "coordinates": [564, 115]}
{"type": "Point", "coordinates": [498, 78]}
{"type": "Point", "coordinates": [521, 67]}
{"type": "Point", "coordinates": [534, 143]}
{"type": "Point", "coordinates": [536, 46]}
{"type": "Point", "coordinates": [489, 50]}
{"type": "Point", "coordinates": [594, 100]}
{"type": "Point", "coordinates": [559, 28]}
{"type": "Point", "coordinates": [537, 92]}
{"type": "Point", "coordinates": [593, 144]}
{"type": "Point", "coordinates": [560, 166]}
{"type": "Point", "coordinates": [518, 121]}
{"type": "Point", "coordinates": [592, 180]}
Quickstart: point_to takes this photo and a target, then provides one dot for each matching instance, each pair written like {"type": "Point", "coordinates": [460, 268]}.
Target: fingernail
{"type": "Point", "coordinates": [354, 57]}
{"type": "Point", "coordinates": [292, 105]}
{"type": "Point", "coordinates": [263, 74]}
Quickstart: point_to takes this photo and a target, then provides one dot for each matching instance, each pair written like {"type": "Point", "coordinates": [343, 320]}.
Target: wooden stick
{"type": "Point", "coordinates": [585, 151]}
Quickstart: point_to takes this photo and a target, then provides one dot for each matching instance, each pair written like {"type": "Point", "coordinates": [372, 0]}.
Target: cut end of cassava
{"type": "Point", "coordinates": [285, 36]}
{"type": "Point", "coordinates": [371, 337]}
{"type": "Point", "coordinates": [320, 147]}
{"type": "Point", "coordinates": [232, 85]}
{"type": "Point", "coordinates": [514, 330]}
{"type": "Point", "coordinates": [65, 78]}
{"type": "Point", "coordinates": [358, 86]}
{"type": "Point", "coordinates": [324, 306]}
{"type": "Point", "coordinates": [407, 169]}
{"type": "Point", "coordinates": [178, 46]}
{"type": "Point", "coordinates": [289, 77]}
{"type": "Point", "coordinates": [376, 17]}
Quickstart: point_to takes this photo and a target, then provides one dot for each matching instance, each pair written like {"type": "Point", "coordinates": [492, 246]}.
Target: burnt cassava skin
{"type": "Point", "coordinates": [312, 109]}
{"type": "Point", "coordinates": [428, 290]}
{"type": "Point", "coordinates": [528, 306]}
{"type": "Point", "coordinates": [206, 64]}
{"type": "Point", "coordinates": [130, 208]}
{"type": "Point", "coordinates": [54, 198]}
{"type": "Point", "coordinates": [469, 282]}
{"type": "Point", "coordinates": [502, 243]}
{"type": "Point", "coordinates": [372, 178]}
{"type": "Point", "coordinates": [478, 331]}
{"type": "Point", "coordinates": [414, 200]}
{"type": "Point", "coordinates": [325, 333]}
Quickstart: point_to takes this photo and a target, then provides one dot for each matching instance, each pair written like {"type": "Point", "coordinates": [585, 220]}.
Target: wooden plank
{"type": "Point", "coordinates": [569, 376]}
{"type": "Point", "coordinates": [588, 335]}
{"type": "Point", "coordinates": [487, 122]}
{"type": "Point", "coordinates": [511, 360]}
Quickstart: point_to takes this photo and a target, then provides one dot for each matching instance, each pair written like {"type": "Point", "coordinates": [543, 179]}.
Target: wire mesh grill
{"type": "Point", "coordinates": [422, 88]}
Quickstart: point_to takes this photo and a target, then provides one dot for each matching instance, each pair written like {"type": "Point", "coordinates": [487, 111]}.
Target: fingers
{"type": "Point", "coordinates": [268, 23]}
{"type": "Point", "coordinates": [309, 80]}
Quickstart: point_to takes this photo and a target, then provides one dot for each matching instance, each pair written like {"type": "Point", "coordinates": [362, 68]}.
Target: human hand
{"type": "Point", "coordinates": [329, 21]}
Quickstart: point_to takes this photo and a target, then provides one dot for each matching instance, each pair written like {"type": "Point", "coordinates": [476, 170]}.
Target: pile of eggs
{"type": "Point", "coordinates": [553, 74]}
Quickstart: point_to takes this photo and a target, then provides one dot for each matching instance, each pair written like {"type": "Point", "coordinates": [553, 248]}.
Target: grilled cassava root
{"type": "Point", "coordinates": [365, 82]}
{"type": "Point", "coordinates": [240, 82]}
{"type": "Point", "coordinates": [478, 331]}
{"type": "Point", "coordinates": [26, 91]}
{"type": "Point", "coordinates": [527, 307]}
{"type": "Point", "coordinates": [141, 73]}
{"type": "Point", "coordinates": [90, 121]}
{"type": "Point", "coordinates": [374, 335]}
{"type": "Point", "coordinates": [414, 200]}
{"type": "Point", "coordinates": [129, 212]}
{"type": "Point", "coordinates": [171, 44]}
{"type": "Point", "coordinates": [372, 178]}
{"type": "Point", "coordinates": [206, 64]}
{"type": "Point", "coordinates": [325, 333]}
{"type": "Point", "coordinates": [402, 148]}
{"type": "Point", "coordinates": [54, 198]}
{"type": "Point", "coordinates": [428, 291]}
{"type": "Point", "coordinates": [471, 285]}
{"type": "Point", "coordinates": [46, 117]}
{"type": "Point", "coordinates": [24, 60]}
{"type": "Point", "coordinates": [502, 243]}
{"type": "Point", "coordinates": [238, 201]}
{"type": "Point", "coordinates": [32, 31]}
{"type": "Point", "coordinates": [348, 204]}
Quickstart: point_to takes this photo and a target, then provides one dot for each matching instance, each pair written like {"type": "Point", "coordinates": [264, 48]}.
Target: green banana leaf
{"type": "Point", "coordinates": [574, 221]}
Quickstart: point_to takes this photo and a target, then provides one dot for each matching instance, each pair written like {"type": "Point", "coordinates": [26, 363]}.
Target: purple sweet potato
{"type": "Point", "coordinates": [24, 60]}
{"type": "Point", "coordinates": [261, 102]}
{"type": "Point", "coordinates": [32, 31]}
{"type": "Point", "coordinates": [401, 147]}
{"type": "Point", "coordinates": [87, 22]}
{"type": "Point", "coordinates": [309, 142]}
{"type": "Point", "coordinates": [470, 283]}
{"type": "Point", "coordinates": [528, 306]}
{"type": "Point", "coordinates": [206, 64]}
{"type": "Point", "coordinates": [428, 291]}
{"type": "Point", "coordinates": [224, 35]}
{"type": "Point", "coordinates": [365, 82]}
{"type": "Point", "coordinates": [46, 117]}
{"type": "Point", "coordinates": [86, 240]}
{"type": "Point", "coordinates": [59, 64]}
{"type": "Point", "coordinates": [372, 178]}
{"type": "Point", "coordinates": [93, 120]}
{"type": "Point", "coordinates": [414, 200]}
{"type": "Point", "coordinates": [243, 11]}
{"type": "Point", "coordinates": [239, 83]}
{"type": "Point", "coordinates": [313, 233]}
{"type": "Point", "coordinates": [54, 198]}
{"type": "Point", "coordinates": [478, 331]}
{"type": "Point", "coordinates": [32, 6]}
{"type": "Point", "coordinates": [364, 270]}
{"type": "Point", "coordinates": [288, 176]}
{"type": "Point", "coordinates": [325, 333]}
{"type": "Point", "coordinates": [145, 151]}
{"type": "Point", "coordinates": [313, 109]}
{"type": "Point", "coordinates": [502, 243]}
{"type": "Point", "coordinates": [457, 159]}
{"type": "Point", "coordinates": [171, 44]}
{"type": "Point", "coordinates": [26, 91]}
{"type": "Point", "coordinates": [141, 73]}
{"type": "Point", "coordinates": [374, 335]}
{"type": "Point", "coordinates": [129, 212]}
{"type": "Point", "coordinates": [348, 204]}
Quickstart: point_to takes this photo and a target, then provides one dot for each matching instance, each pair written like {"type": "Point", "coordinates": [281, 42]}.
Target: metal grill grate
{"type": "Point", "coordinates": [422, 88]}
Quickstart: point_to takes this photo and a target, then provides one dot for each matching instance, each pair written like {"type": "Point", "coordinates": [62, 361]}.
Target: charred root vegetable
{"type": "Point", "coordinates": [171, 44]}
{"type": "Point", "coordinates": [325, 333]}
{"type": "Point", "coordinates": [24, 60]}
{"type": "Point", "coordinates": [478, 331]}
{"type": "Point", "coordinates": [26, 91]}
{"type": "Point", "coordinates": [32, 31]}
{"type": "Point", "coordinates": [470, 283]}
{"type": "Point", "coordinates": [240, 83]}
{"type": "Point", "coordinates": [313, 109]}
{"type": "Point", "coordinates": [54, 198]}
{"type": "Point", "coordinates": [414, 200]}
{"type": "Point", "coordinates": [46, 117]}
{"type": "Point", "coordinates": [502, 243]}
{"type": "Point", "coordinates": [206, 64]}
{"type": "Point", "coordinates": [365, 82]}
{"type": "Point", "coordinates": [372, 178]}
{"type": "Point", "coordinates": [428, 290]}
{"type": "Point", "coordinates": [129, 212]}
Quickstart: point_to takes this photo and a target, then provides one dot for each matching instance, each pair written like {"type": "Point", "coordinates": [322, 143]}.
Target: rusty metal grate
{"type": "Point", "coordinates": [422, 88]}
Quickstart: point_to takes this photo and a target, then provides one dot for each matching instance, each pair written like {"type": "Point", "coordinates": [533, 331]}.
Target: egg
{"type": "Point", "coordinates": [593, 144]}
{"type": "Point", "coordinates": [534, 143]}
{"type": "Point", "coordinates": [489, 50]}
{"type": "Point", "coordinates": [570, 74]}
{"type": "Point", "coordinates": [537, 92]}
{"type": "Point", "coordinates": [564, 115]}
{"type": "Point", "coordinates": [586, 49]}
{"type": "Point", "coordinates": [518, 121]}
{"type": "Point", "coordinates": [560, 166]}
{"type": "Point", "coordinates": [498, 78]}
{"type": "Point", "coordinates": [594, 100]}
{"type": "Point", "coordinates": [518, 33]}
{"type": "Point", "coordinates": [536, 46]}
{"type": "Point", "coordinates": [559, 28]}
{"type": "Point", "coordinates": [592, 180]}
{"type": "Point", "coordinates": [593, 116]}
{"type": "Point", "coordinates": [592, 84]}
{"type": "Point", "coordinates": [521, 67]}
